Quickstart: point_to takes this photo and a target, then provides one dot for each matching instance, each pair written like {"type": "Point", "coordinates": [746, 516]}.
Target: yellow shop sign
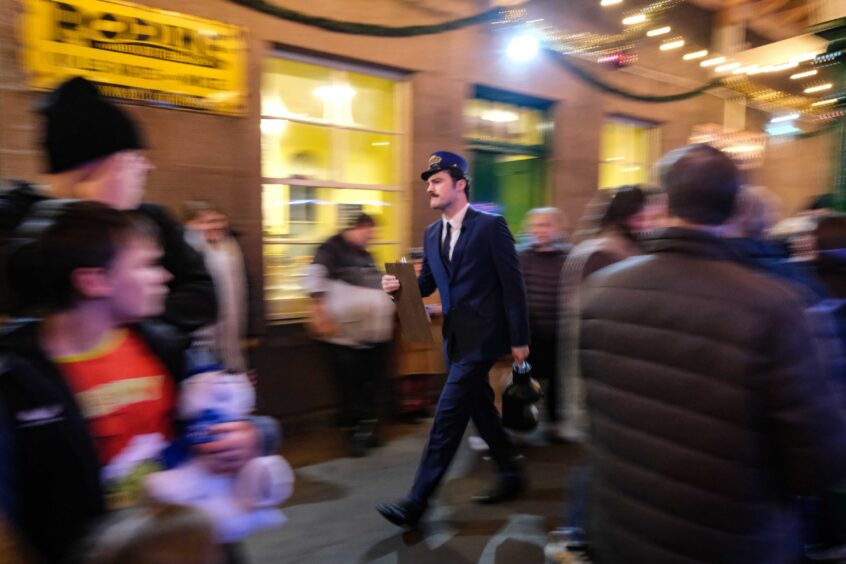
{"type": "Point", "coordinates": [136, 53]}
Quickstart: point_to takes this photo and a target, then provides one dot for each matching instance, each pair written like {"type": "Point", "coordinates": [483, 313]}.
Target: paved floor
{"type": "Point", "coordinates": [331, 516]}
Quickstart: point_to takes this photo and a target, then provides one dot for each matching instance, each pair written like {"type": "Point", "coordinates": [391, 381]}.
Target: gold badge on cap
{"type": "Point", "coordinates": [434, 160]}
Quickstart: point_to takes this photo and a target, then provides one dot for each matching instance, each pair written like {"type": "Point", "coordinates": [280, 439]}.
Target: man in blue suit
{"type": "Point", "coordinates": [469, 257]}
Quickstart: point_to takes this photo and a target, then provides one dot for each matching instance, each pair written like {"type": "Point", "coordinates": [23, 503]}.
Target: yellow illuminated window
{"type": "Point", "coordinates": [627, 150]}
{"type": "Point", "coordinates": [331, 148]}
{"type": "Point", "coordinates": [499, 122]}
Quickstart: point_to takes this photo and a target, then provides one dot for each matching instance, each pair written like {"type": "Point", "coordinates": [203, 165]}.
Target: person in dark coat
{"type": "Point", "coordinates": [620, 216]}
{"type": "Point", "coordinates": [710, 408]}
{"type": "Point", "coordinates": [93, 152]}
{"type": "Point", "coordinates": [541, 264]}
{"type": "Point", "coordinates": [830, 262]}
{"type": "Point", "coordinates": [355, 319]}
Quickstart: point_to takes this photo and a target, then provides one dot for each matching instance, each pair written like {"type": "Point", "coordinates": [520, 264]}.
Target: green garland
{"type": "Point", "coordinates": [586, 76]}
{"type": "Point", "coordinates": [339, 26]}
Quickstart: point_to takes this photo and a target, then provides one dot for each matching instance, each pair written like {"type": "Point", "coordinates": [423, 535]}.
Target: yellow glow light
{"type": "Point", "coordinates": [658, 31]}
{"type": "Point", "coordinates": [783, 66]}
{"type": "Point", "coordinates": [819, 88]}
{"type": "Point", "coordinates": [803, 58]}
{"type": "Point", "coordinates": [825, 102]}
{"type": "Point", "coordinates": [695, 55]}
{"type": "Point", "coordinates": [728, 67]}
{"type": "Point", "coordinates": [636, 19]}
{"type": "Point", "coordinates": [610, 2]}
{"type": "Point", "coordinates": [712, 62]}
{"type": "Point", "coordinates": [499, 116]}
{"type": "Point", "coordinates": [752, 69]}
{"type": "Point", "coordinates": [805, 74]}
{"type": "Point", "coordinates": [675, 44]}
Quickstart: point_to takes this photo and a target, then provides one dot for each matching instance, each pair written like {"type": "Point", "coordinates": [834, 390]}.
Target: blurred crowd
{"type": "Point", "coordinates": [694, 342]}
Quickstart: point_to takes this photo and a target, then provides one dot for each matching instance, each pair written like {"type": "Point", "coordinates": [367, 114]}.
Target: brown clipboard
{"type": "Point", "coordinates": [412, 313]}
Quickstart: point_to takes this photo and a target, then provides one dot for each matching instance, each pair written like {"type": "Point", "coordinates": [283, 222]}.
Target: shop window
{"type": "Point", "coordinates": [499, 122]}
{"type": "Point", "coordinates": [332, 143]}
{"type": "Point", "coordinates": [628, 149]}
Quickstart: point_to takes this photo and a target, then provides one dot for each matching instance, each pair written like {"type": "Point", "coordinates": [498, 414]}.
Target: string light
{"type": "Point", "coordinates": [712, 62]}
{"type": "Point", "coordinates": [805, 74]}
{"type": "Point", "coordinates": [803, 58]}
{"type": "Point", "coordinates": [781, 67]}
{"type": "Point", "coordinates": [788, 117]}
{"type": "Point", "coordinates": [658, 31]}
{"type": "Point", "coordinates": [611, 47]}
{"type": "Point", "coordinates": [728, 67]}
{"type": "Point", "coordinates": [751, 69]}
{"type": "Point", "coordinates": [674, 44]}
{"type": "Point", "coordinates": [818, 88]}
{"type": "Point", "coordinates": [636, 19]}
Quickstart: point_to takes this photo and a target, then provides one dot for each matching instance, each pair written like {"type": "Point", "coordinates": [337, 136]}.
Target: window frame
{"type": "Point", "coordinates": [338, 152]}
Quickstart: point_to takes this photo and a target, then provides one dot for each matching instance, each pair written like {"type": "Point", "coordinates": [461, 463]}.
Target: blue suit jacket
{"type": "Point", "coordinates": [482, 292]}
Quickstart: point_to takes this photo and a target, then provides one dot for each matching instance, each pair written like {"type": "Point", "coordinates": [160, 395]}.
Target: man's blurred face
{"type": "Point", "coordinates": [543, 227]}
{"type": "Point", "coordinates": [360, 236]}
{"type": "Point", "coordinates": [117, 180]}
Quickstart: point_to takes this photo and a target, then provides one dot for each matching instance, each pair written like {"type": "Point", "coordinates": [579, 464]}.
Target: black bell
{"type": "Point", "coordinates": [518, 410]}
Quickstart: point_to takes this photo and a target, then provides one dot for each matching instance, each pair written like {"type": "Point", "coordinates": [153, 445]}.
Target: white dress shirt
{"type": "Point", "coordinates": [456, 222]}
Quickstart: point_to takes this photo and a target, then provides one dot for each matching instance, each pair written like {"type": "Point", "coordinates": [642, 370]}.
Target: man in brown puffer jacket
{"type": "Point", "coordinates": [710, 406]}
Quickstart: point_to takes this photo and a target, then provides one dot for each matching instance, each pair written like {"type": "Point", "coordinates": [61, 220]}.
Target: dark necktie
{"type": "Point", "coordinates": [447, 244]}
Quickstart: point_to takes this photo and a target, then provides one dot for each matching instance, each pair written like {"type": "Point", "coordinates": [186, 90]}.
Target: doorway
{"type": "Point", "coordinates": [508, 184]}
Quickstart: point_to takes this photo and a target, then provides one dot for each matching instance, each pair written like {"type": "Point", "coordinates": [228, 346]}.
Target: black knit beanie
{"type": "Point", "coordinates": [82, 125]}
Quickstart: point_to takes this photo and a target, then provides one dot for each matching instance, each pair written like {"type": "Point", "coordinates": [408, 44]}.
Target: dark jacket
{"type": "Point", "coordinates": [830, 268]}
{"type": "Point", "coordinates": [542, 275]}
{"type": "Point", "coordinates": [49, 470]}
{"type": "Point", "coordinates": [482, 292]}
{"type": "Point", "coordinates": [775, 260]}
{"type": "Point", "coordinates": [348, 263]}
{"type": "Point", "coordinates": [709, 408]}
{"type": "Point", "coordinates": [191, 301]}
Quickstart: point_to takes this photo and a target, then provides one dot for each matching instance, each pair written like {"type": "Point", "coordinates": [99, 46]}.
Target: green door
{"type": "Point", "coordinates": [509, 184]}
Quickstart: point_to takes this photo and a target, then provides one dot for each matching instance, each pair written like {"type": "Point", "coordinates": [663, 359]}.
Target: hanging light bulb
{"type": "Point", "coordinates": [522, 48]}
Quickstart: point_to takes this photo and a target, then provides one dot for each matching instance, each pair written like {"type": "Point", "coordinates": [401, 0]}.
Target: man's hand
{"type": "Point", "coordinates": [239, 442]}
{"type": "Point", "coordinates": [390, 283]}
{"type": "Point", "coordinates": [520, 354]}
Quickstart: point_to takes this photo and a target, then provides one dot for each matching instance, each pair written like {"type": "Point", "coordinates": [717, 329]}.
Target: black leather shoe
{"type": "Point", "coordinates": [404, 513]}
{"type": "Point", "coordinates": [356, 446]}
{"type": "Point", "coordinates": [506, 489]}
{"type": "Point", "coordinates": [366, 434]}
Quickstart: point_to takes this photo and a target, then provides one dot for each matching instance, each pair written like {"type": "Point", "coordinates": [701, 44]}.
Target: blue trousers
{"type": "Point", "coordinates": [466, 396]}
